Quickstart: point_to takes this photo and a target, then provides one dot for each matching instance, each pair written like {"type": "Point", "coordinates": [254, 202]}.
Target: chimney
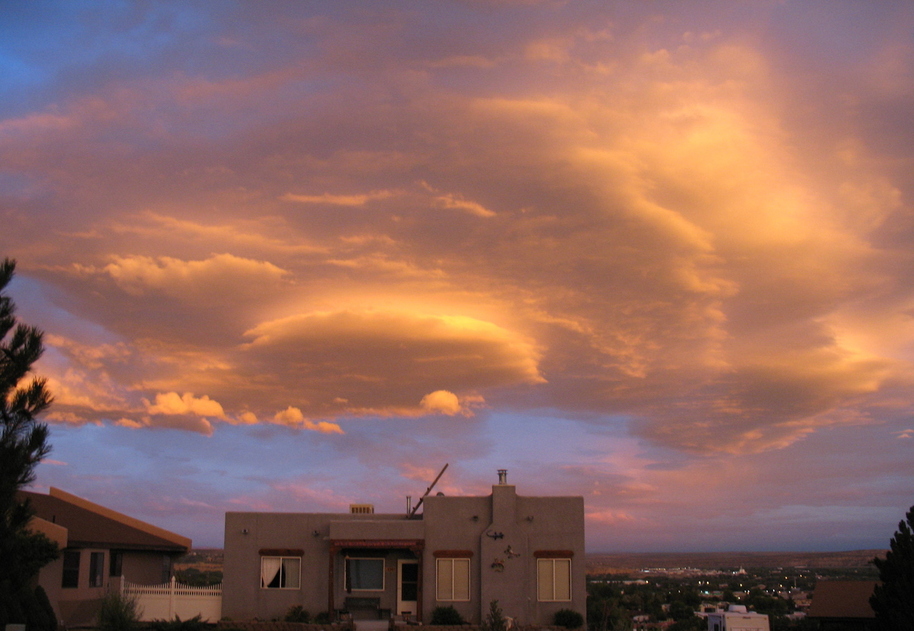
{"type": "Point", "coordinates": [502, 476]}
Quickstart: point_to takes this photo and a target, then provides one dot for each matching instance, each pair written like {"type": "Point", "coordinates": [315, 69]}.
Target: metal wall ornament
{"type": "Point", "coordinates": [498, 565]}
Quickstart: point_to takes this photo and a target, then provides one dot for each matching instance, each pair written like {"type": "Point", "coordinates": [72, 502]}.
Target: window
{"type": "Point", "coordinates": [553, 580]}
{"type": "Point", "coordinates": [364, 574]}
{"type": "Point", "coordinates": [97, 569]}
{"type": "Point", "coordinates": [70, 568]}
{"type": "Point", "coordinates": [280, 572]}
{"type": "Point", "coordinates": [117, 563]}
{"type": "Point", "coordinates": [453, 579]}
{"type": "Point", "coordinates": [166, 568]}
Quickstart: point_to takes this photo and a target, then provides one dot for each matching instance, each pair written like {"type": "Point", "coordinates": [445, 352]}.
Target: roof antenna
{"type": "Point", "coordinates": [427, 491]}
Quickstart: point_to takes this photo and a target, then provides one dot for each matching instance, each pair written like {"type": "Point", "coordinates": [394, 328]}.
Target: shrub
{"type": "Point", "coordinates": [446, 616]}
{"type": "Point", "coordinates": [191, 624]}
{"type": "Point", "coordinates": [44, 603]}
{"type": "Point", "coordinates": [495, 619]}
{"type": "Point", "coordinates": [118, 612]}
{"type": "Point", "coordinates": [323, 617]}
{"type": "Point", "coordinates": [39, 615]}
{"type": "Point", "coordinates": [568, 618]}
{"type": "Point", "coordinates": [297, 614]}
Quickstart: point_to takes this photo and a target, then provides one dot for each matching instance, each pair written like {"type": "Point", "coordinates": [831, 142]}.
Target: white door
{"type": "Point", "coordinates": [407, 586]}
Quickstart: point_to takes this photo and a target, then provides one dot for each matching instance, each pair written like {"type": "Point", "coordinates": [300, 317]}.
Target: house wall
{"type": "Point", "coordinates": [147, 568]}
{"type": "Point", "coordinates": [505, 568]}
{"type": "Point", "coordinates": [248, 533]}
{"type": "Point", "coordinates": [50, 578]}
{"type": "Point", "coordinates": [455, 524]}
{"type": "Point", "coordinates": [245, 535]}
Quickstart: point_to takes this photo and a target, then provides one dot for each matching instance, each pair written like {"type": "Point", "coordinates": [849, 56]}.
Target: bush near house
{"type": "Point", "coordinates": [118, 613]}
{"type": "Point", "coordinates": [297, 614]}
{"type": "Point", "coordinates": [446, 616]}
{"type": "Point", "coordinates": [568, 618]}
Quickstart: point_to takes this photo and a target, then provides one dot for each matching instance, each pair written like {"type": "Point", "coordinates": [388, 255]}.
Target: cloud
{"type": "Point", "coordinates": [338, 200]}
{"type": "Point", "coordinates": [384, 362]}
{"type": "Point", "coordinates": [457, 203]}
{"type": "Point", "coordinates": [441, 402]}
{"type": "Point", "coordinates": [172, 404]}
{"type": "Point", "coordinates": [293, 417]}
{"type": "Point", "coordinates": [140, 274]}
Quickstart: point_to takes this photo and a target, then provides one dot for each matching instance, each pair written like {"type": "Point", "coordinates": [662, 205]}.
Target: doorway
{"type": "Point", "coordinates": [407, 587]}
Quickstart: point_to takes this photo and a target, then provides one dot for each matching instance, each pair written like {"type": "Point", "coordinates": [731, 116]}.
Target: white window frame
{"type": "Point", "coordinates": [282, 572]}
{"type": "Point", "coordinates": [453, 561]}
{"type": "Point", "coordinates": [348, 581]}
{"type": "Point", "coordinates": [552, 562]}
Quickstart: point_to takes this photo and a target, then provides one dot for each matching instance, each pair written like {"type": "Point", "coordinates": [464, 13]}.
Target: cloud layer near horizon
{"type": "Point", "coordinates": [692, 228]}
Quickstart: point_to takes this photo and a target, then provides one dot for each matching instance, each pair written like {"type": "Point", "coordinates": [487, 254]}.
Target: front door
{"type": "Point", "coordinates": [407, 587]}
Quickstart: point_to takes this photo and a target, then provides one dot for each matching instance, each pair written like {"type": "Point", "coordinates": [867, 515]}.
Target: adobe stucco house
{"type": "Point", "coordinates": [525, 552]}
{"type": "Point", "coordinates": [98, 545]}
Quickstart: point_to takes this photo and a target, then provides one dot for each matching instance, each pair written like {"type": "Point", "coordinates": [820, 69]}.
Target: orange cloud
{"type": "Point", "coordinates": [441, 402]}
{"type": "Point", "coordinates": [172, 404]}
{"type": "Point", "coordinates": [294, 417]}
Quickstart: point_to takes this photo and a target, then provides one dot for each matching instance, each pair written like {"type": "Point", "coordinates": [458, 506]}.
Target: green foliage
{"type": "Point", "coordinates": [446, 616]}
{"type": "Point", "coordinates": [191, 624]}
{"type": "Point", "coordinates": [297, 614]}
{"type": "Point", "coordinates": [23, 441]}
{"type": "Point", "coordinates": [39, 615]}
{"type": "Point", "coordinates": [893, 599]}
{"type": "Point", "coordinates": [44, 604]}
{"type": "Point", "coordinates": [760, 602]}
{"type": "Point", "coordinates": [198, 578]}
{"type": "Point", "coordinates": [495, 619]}
{"type": "Point", "coordinates": [694, 623]}
{"type": "Point", "coordinates": [323, 617]}
{"type": "Point", "coordinates": [119, 612]}
{"type": "Point", "coordinates": [568, 618]}
{"type": "Point", "coordinates": [681, 611]}
{"type": "Point", "coordinates": [11, 611]}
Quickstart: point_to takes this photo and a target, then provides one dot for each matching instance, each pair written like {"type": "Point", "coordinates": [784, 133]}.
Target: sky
{"type": "Point", "coordinates": [290, 256]}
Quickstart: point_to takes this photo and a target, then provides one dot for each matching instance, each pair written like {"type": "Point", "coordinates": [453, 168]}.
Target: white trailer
{"type": "Point", "coordinates": [737, 618]}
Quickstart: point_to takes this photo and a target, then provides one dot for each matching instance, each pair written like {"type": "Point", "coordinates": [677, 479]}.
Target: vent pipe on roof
{"type": "Point", "coordinates": [502, 476]}
{"type": "Point", "coordinates": [409, 504]}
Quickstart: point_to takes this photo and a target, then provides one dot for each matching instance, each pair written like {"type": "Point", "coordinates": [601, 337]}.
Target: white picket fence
{"type": "Point", "coordinates": [165, 601]}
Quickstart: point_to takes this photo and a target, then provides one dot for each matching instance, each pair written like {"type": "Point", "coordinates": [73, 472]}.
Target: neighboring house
{"type": "Point", "coordinates": [98, 545]}
{"type": "Point", "coordinates": [525, 552]}
{"type": "Point", "coordinates": [843, 605]}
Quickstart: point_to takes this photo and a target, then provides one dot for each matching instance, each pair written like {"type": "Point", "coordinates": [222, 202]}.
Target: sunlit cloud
{"type": "Point", "coordinates": [442, 402]}
{"type": "Point", "coordinates": [139, 274]}
{"type": "Point", "coordinates": [171, 403]}
{"type": "Point", "coordinates": [294, 417]}
{"type": "Point", "coordinates": [685, 234]}
{"type": "Point", "coordinates": [337, 200]}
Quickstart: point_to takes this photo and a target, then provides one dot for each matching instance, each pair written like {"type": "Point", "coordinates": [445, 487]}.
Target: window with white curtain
{"type": "Point", "coordinates": [553, 580]}
{"type": "Point", "coordinates": [280, 572]}
{"type": "Point", "coordinates": [453, 580]}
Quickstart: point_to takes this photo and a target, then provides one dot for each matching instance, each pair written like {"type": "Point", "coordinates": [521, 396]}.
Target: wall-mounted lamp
{"type": "Point", "coordinates": [529, 517]}
{"type": "Point", "coordinates": [475, 518]}
{"type": "Point", "coordinates": [245, 531]}
{"type": "Point", "coordinates": [315, 533]}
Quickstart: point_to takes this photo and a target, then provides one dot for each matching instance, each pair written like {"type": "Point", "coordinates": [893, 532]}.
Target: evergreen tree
{"type": "Point", "coordinates": [23, 442]}
{"type": "Point", "coordinates": [893, 599]}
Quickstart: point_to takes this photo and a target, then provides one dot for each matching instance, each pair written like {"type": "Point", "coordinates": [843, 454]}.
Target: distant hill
{"type": "Point", "coordinates": [605, 563]}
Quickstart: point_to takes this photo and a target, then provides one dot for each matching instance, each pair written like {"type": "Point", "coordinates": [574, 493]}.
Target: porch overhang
{"type": "Point", "coordinates": [416, 546]}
